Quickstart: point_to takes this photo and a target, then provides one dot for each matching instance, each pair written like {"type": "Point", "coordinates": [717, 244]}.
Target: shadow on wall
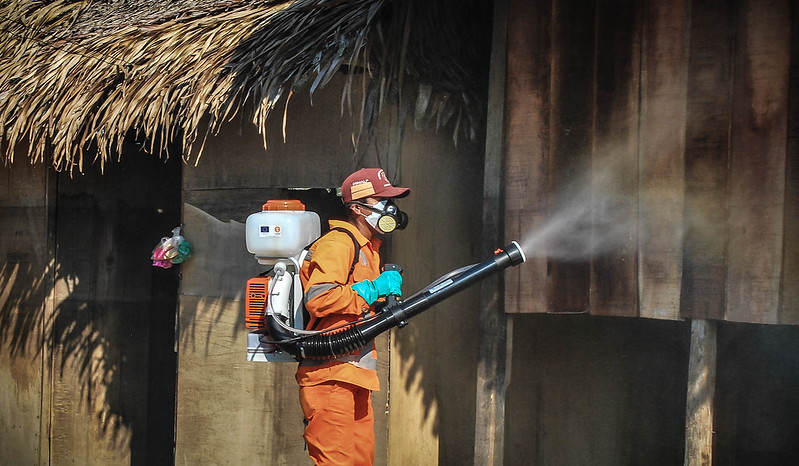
{"type": "Point", "coordinates": [434, 359]}
{"type": "Point", "coordinates": [95, 309]}
{"type": "Point", "coordinates": [596, 390]}
{"type": "Point", "coordinates": [756, 405]}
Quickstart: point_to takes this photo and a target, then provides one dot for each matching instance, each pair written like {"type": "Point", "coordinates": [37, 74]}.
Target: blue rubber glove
{"type": "Point", "coordinates": [388, 282]}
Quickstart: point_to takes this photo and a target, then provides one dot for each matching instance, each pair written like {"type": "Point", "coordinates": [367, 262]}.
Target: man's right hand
{"type": "Point", "coordinates": [387, 283]}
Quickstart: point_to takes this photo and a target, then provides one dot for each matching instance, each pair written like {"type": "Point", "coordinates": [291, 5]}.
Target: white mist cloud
{"type": "Point", "coordinates": [600, 210]}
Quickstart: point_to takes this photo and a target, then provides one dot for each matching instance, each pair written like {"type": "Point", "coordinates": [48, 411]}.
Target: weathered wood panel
{"type": "Point", "coordinates": [317, 151]}
{"type": "Point", "coordinates": [25, 280]}
{"type": "Point", "coordinates": [756, 410]}
{"type": "Point", "coordinates": [596, 391]}
{"type": "Point", "coordinates": [789, 304]}
{"type": "Point", "coordinates": [757, 160]}
{"type": "Point", "coordinates": [661, 166]}
{"type": "Point", "coordinates": [435, 380]}
{"type": "Point", "coordinates": [489, 430]}
{"type": "Point", "coordinates": [673, 121]}
{"type": "Point", "coordinates": [527, 149]}
{"type": "Point", "coordinates": [85, 336]}
{"type": "Point", "coordinates": [571, 126]}
{"type": "Point", "coordinates": [614, 184]}
{"type": "Point", "coordinates": [706, 161]}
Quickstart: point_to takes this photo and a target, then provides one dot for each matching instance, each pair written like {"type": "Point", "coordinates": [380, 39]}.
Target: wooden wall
{"type": "Point", "coordinates": [433, 374]}
{"type": "Point", "coordinates": [596, 390]}
{"type": "Point", "coordinates": [662, 136]}
{"type": "Point", "coordinates": [88, 365]}
{"type": "Point", "coordinates": [97, 369]}
{"type": "Point", "coordinates": [229, 410]}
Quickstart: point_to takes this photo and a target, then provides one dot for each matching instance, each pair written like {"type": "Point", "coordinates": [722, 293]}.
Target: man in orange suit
{"type": "Point", "coordinates": [342, 282]}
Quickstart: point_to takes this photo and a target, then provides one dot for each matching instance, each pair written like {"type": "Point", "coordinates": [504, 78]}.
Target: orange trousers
{"type": "Point", "coordinates": [340, 423]}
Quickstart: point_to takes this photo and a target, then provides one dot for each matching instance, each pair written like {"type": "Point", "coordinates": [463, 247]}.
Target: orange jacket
{"type": "Point", "coordinates": [331, 301]}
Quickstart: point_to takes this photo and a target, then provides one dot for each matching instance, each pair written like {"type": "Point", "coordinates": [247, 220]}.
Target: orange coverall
{"type": "Point", "coordinates": [335, 395]}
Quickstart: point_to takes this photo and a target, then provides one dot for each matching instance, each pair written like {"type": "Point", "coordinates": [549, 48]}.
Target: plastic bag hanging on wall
{"type": "Point", "coordinates": [171, 250]}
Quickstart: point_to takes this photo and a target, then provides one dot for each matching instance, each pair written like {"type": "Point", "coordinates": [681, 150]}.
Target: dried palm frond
{"type": "Point", "coordinates": [77, 76]}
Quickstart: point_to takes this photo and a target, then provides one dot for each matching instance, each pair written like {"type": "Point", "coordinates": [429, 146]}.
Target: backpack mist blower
{"type": "Point", "coordinates": [279, 237]}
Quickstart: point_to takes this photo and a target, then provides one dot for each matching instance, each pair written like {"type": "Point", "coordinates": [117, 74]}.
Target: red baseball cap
{"type": "Point", "coordinates": [368, 182]}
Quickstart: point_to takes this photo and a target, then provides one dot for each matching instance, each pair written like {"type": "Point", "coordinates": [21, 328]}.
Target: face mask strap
{"type": "Point", "coordinates": [370, 207]}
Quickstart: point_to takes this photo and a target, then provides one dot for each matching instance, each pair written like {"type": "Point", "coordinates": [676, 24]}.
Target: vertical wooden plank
{"type": "Point", "coordinates": [706, 161]}
{"type": "Point", "coordinates": [701, 391]}
{"type": "Point", "coordinates": [757, 166]}
{"type": "Point", "coordinates": [25, 280]}
{"type": "Point", "coordinates": [614, 171]}
{"type": "Point", "coordinates": [789, 302]}
{"type": "Point", "coordinates": [664, 66]}
{"type": "Point", "coordinates": [433, 408]}
{"type": "Point", "coordinates": [527, 153]}
{"type": "Point", "coordinates": [83, 372]}
{"type": "Point", "coordinates": [489, 429]}
{"type": "Point", "coordinates": [571, 123]}
{"type": "Point", "coordinates": [47, 349]}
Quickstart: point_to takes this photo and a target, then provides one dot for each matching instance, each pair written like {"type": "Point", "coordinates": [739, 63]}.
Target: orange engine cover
{"type": "Point", "coordinates": [255, 305]}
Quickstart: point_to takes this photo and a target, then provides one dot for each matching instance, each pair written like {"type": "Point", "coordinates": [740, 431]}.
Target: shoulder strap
{"type": "Point", "coordinates": [355, 243]}
{"type": "Point", "coordinates": [357, 256]}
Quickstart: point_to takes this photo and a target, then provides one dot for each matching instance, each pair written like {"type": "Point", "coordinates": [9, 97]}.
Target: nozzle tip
{"type": "Point", "coordinates": [515, 253]}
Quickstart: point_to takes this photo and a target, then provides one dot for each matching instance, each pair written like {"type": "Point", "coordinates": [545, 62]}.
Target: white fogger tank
{"type": "Point", "coordinates": [281, 230]}
{"type": "Point", "coordinates": [277, 237]}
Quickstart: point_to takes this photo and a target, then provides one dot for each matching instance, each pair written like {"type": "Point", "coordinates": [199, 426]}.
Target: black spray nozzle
{"type": "Point", "coordinates": [329, 345]}
{"type": "Point", "coordinates": [514, 252]}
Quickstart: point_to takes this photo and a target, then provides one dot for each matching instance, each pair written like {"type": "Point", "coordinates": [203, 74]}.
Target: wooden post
{"type": "Point", "coordinates": [489, 430]}
{"type": "Point", "coordinates": [701, 390]}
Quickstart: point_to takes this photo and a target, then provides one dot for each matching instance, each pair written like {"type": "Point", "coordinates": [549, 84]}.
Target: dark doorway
{"type": "Point", "coordinates": [106, 226]}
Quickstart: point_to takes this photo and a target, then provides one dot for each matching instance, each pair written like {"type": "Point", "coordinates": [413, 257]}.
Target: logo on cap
{"type": "Point", "coordinates": [361, 189]}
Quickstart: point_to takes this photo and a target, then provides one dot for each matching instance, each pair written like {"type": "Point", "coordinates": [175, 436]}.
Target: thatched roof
{"type": "Point", "coordinates": [77, 77]}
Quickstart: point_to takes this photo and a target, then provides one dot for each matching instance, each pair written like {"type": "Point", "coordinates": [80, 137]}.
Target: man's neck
{"type": "Point", "coordinates": [363, 227]}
